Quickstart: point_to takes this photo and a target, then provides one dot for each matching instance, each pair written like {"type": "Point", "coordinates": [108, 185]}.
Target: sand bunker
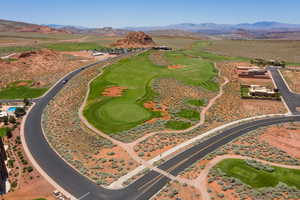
{"type": "Point", "coordinates": [175, 66]}
{"type": "Point", "coordinates": [163, 109]}
{"type": "Point", "coordinates": [115, 91]}
{"type": "Point", "coordinates": [22, 83]}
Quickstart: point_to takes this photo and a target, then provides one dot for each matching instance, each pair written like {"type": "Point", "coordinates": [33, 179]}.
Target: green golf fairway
{"type": "Point", "coordinates": [114, 114]}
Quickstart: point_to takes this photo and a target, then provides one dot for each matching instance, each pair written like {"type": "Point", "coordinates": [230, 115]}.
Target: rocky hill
{"type": "Point", "coordinates": [135, 40]}
{"type": "Point", "coordinates": [44, 67]}
{"type": "Point", "coordinates": [12, 26]}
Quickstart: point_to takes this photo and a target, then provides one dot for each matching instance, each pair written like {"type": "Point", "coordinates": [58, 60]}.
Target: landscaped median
{"type": "Point", "coordinates": [117, 97]}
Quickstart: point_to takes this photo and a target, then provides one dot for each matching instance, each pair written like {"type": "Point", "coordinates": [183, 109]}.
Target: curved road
{"type": "Point", "coordinates": [146, 186]}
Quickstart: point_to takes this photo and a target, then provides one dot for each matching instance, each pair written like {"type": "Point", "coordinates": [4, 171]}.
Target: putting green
{"type": "Point", "coordinates": [114, 114]}
{"type": "Point", "coordinates": [123, 112]}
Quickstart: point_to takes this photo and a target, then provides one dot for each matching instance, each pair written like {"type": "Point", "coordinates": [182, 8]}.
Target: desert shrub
{"type": "Point", "coordinates": [141, 154]}
{"type": "Point", "coordinates": [111, 153]}
{"type": "Point", "coordinates": [260, 166]}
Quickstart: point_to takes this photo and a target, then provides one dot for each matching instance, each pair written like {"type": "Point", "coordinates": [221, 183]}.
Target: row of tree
{"type": "Point", "coordinates": [262, 62]}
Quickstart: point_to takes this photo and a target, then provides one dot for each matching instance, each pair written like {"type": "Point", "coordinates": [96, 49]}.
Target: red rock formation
{"type": "Point", "coordinates": [134, 40]}
{"type": "Point", "coordinates": [40, 29]}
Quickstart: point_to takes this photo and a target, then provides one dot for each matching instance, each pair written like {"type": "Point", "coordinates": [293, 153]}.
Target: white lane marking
{"type": "Point", "coordinates": [83, 196]}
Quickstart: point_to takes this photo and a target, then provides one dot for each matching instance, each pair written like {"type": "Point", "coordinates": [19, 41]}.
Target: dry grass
{"type": "Point", "coordinates": [175, 42]}
{"type": "Point", "coordinates": [268, 49]}
{"type": "Point", "coordinates": [293, 79]}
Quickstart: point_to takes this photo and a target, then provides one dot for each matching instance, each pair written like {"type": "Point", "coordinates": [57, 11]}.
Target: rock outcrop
{"type": "Point", "coordinates": [135, 40]}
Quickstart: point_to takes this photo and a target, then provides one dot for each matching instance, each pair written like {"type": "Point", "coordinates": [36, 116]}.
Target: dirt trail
{"type": "Point", "coordinates": [202, 116]}
{"type": "Point", "coordinates": [129, 147]}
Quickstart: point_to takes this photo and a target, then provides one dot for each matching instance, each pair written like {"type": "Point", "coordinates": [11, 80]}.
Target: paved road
{"type": "Point", "coordinates": [146, 186]}
{"type": "Point", "coordinates": [291, 99]}
{"type": "Point", "coordinates": [57, 86]}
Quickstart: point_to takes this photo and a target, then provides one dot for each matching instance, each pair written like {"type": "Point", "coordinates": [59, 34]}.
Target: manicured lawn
{"type": "Point", "coordinates": [259, 178]}
{"type": "Point", "coordinates": [196, 102]}
{"type": "Point", "coordinates": [188, 114]}
{"type": "Point", "coordinates": [178, 125]}
{"type": "Point", "coordinates": [244, 91]}
{"type": "Point", "coordinates": [73, 46]}
{"type": "Point", "coordinates": [15, 91]}
{"type": "Point", "coordinates": [114, 114]}
{"type": "Point", "coordinates": [21, 92]}
{"type": "Point", "coordinates": [179, 58]}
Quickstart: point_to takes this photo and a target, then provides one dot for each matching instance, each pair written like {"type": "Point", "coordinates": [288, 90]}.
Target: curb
{"type": "Point", "coordinates": [282, 99]}
{"type": "Point", "coordinates": [291, 91]}
{"type": "Point", "coordinates": [186, 143]}
{"type": "Point", "coordinates": [33, 161]}
{"type": "Point", "coordinates": [57, 82]}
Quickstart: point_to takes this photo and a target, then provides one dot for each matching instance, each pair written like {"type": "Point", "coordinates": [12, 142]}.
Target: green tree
{"type": "Point", "coordinates": [26, 102]}
{"type": "Point", "coordinates": [19, 112]}
{"type": "Point", "coordinates": [12, 120]}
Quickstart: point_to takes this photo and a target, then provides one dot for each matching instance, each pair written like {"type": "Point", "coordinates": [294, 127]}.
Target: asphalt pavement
{"type": "Point", "coordinates": [291, 99]}
{"type": "Point", "coordinates": [146, 186]}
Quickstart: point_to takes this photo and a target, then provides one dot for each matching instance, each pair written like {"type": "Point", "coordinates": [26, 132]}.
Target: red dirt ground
{"type": "Point", "coordinates": [38, 189]}
{"type": "Point", "coordinates": [115, 91]}
{"type": "Point", "coordinates": [184, 193]}
{"type": "Point", "coordinates": [228, 194]}
{"type": "Point", "coordinates": [23, 83]}
{"type": "Point", "coordinates": [43, 66]}
{"type": "Point", "coordinates": [284, 138]}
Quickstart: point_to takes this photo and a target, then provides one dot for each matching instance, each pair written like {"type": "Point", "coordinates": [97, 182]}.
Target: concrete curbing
{"type": "Point", "coordinates": [49, 179]}
{"type": "Point", "coordinates": [117, 185]}
{"type": "Point", "coordinates": [28, 153]}
{"type": "Point", "coordinates": [58, 81]}
{"type": "Point", "coordinates": [120, 181]}
{"type": "Point", "coordinates": [35, 164]}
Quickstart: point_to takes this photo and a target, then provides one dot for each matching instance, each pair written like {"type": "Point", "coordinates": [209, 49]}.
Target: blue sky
{"type": "Point", "coordinates": [121, 13]}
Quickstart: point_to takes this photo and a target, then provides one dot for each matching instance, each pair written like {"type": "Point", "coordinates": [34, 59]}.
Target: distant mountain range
{"type": "Point", "coordinates": [108, 31]}
{"type": "Point", "coordinates": [12, 26]}
{"type": "Point", "coordinates": [212, 28]}
{"type": "Point", "coordinates": [258, 30]}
